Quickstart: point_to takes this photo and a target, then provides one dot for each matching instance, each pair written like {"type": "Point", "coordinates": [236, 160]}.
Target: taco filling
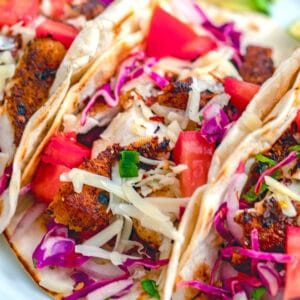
{"type": "Point", "coordinates": [112, 185]}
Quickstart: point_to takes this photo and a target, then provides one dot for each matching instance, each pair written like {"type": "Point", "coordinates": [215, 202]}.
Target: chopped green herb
{"type": "Point", "coordinates": [251, 196]}
{"type": "Point", "coordinates": [295, 148]}
{"type": "Point", "coordinates": [150, 287]}
{"type": "Point", "coordinates": [34, 262]}
{"type": "Point", "coordinates": [258, 293]}
{"type": "Point", "coordinates": [265, 159]}
{"type": "Point", "coordinates": [128, 164]}
{"type": "Point", "coordinates": [132, 156]}
{"type": "Point", "coordinates": [262, 6]}
{"type": "Point", "coordinates": [128, 169]}
{"type": "Point", "coordinates": [200, 119]}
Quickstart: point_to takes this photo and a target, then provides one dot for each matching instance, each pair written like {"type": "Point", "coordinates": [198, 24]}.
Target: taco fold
{"type": "Point", "coordinates": [106, 189]}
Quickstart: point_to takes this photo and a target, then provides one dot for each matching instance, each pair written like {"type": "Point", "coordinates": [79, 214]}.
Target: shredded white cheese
{"type": "Point", "coordinates": [105, 235]}
{"type": "Point", "coordinates": [283, 195]}
{"type": "Point", "coordinates": [115, 257]}
{"type": "Point", "coordinates": [277, 187]}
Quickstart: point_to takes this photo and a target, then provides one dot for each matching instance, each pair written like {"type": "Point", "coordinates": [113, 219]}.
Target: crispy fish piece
{"type": "Point", "coordinates": [29, 87]}
{"type": "Point", "coordinates": [258, 65]}
{"type": "Point", "coordinates": [87, 211]}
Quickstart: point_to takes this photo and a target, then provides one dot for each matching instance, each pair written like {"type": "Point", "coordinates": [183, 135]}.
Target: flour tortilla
{"type": "Point", "coordinates": [101, 67]}
{"type": "Point", "coordinates": [201, 253]}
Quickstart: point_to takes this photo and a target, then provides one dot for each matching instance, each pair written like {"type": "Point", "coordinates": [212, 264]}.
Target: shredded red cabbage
{"type": "Point", "coordinates": [105, 92]}
{"type": "Point", "coordinates": [225, 33]}
{"type": "Point", "coordinates": [269, 277]}
{"type": "Point", "coordinates": [214, 128]}
{"type": "Point", "coordinates": [4, 179]}
{"type": "Point", "coordinates": [81, 277]}
{"type": "Point", "coordinates": [126, 68]}
{"type": "Point", "coordinates": [57, 249]}
{"type": "Point", "coordinates": [206, 288]}
{"type": "Point", "coordinates": [268, 256]}
{"type": "Point", "coordinates": [291, 157]}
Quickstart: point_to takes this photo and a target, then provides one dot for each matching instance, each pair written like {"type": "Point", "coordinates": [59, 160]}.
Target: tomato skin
{"type": "Point", "coordinates": [292, 287]}
{"type": "Point", "coordinates": [63, 149]}
{"type": "Point", "coordinates": [168, 36]}
{"type": "Point", "coordinates": [194, 151]}
{"type": "Point", "coordinates": [46, 181]}
{"type": "Point", "coordinates": [297, 120]}
{"type": "Point", "coordinates": [241, 92]}
{"type": "Point", "coordinates": [59, 31]}
{"type": "Point", "coordinates": [14, 11]}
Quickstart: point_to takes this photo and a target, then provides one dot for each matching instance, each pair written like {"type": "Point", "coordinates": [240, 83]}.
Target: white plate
{"type": "Point", "coordinates": [14, 282]}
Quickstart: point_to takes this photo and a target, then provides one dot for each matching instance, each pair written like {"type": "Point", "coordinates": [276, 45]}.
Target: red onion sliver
{"type": "Point", "coordinates": [268, 256]}
{"type": "Point", "coordinates": [28, 218]}
{"type": "Point", "coordinates": [292, 156]}
{"type": "Point", "coordinates": [255, 247]}
{"type": "Point", "coordinates": [101, 271]}
{"type": "Point", "coordinates": [25, 189]}
{"type": "Point", "coordinates": [110, 289]}
{"type": "Point", "coordinates": [214, 270]}
{"type": "Point", "coordinates": [160, 81]}
{"type": "Point", "coordinates": [232, 198]}
{"type": "Point", "coordinates": [5, 177]}
{"type": "Point", "coordinates": [103, 91]}
{"type": "Point", "coordinates": [241, 295]}
{"type": "Point", "coordinates": [206, 288]}
{"type": "Point", "coordinates": [88, 289]}
{"type": "Point", "coordinates": [269, 277]}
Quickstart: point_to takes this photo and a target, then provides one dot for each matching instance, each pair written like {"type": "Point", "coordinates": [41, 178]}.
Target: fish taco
{"type": "Point", "coordinates": [45, 49]}
{"type": "Point", "coordinates": [104, 196]}
{"type": "Point", "coordinates": [244, 245]}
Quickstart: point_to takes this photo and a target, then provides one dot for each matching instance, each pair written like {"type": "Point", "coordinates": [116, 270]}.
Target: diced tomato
{"type": "Point", "coordinates": [56, 9]}
{"type": "Point", "coordinates": [14, 11]}
{"type": "Point", "coordinates": [297, 120]}
{"type": "Point", "coordinates": [194, 151]}
{"type": "Point", "coordinates": [292, 280]}
{"type": "Point", "coordinates": [168, 36]}
{"type": "Point", "coordinates": [46, 183]}
{"type": "Point", "coordinates": [63, 149]}
{"type": "Point", "coordinates": [241, 92]}
{"type": "Point", "coordinates": [59, 31]}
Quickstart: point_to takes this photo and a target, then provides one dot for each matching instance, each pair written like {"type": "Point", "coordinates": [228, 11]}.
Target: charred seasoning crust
{"type": "Point", "coordinates": [29, 86]}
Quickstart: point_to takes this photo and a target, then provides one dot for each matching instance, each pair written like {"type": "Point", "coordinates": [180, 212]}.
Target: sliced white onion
{"type": "Point", "coordinates": [193, 104]}
{"type": "Point", "coordinates": [105, 292]}
{"type": "Point", "coordinates": [101, 271]}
